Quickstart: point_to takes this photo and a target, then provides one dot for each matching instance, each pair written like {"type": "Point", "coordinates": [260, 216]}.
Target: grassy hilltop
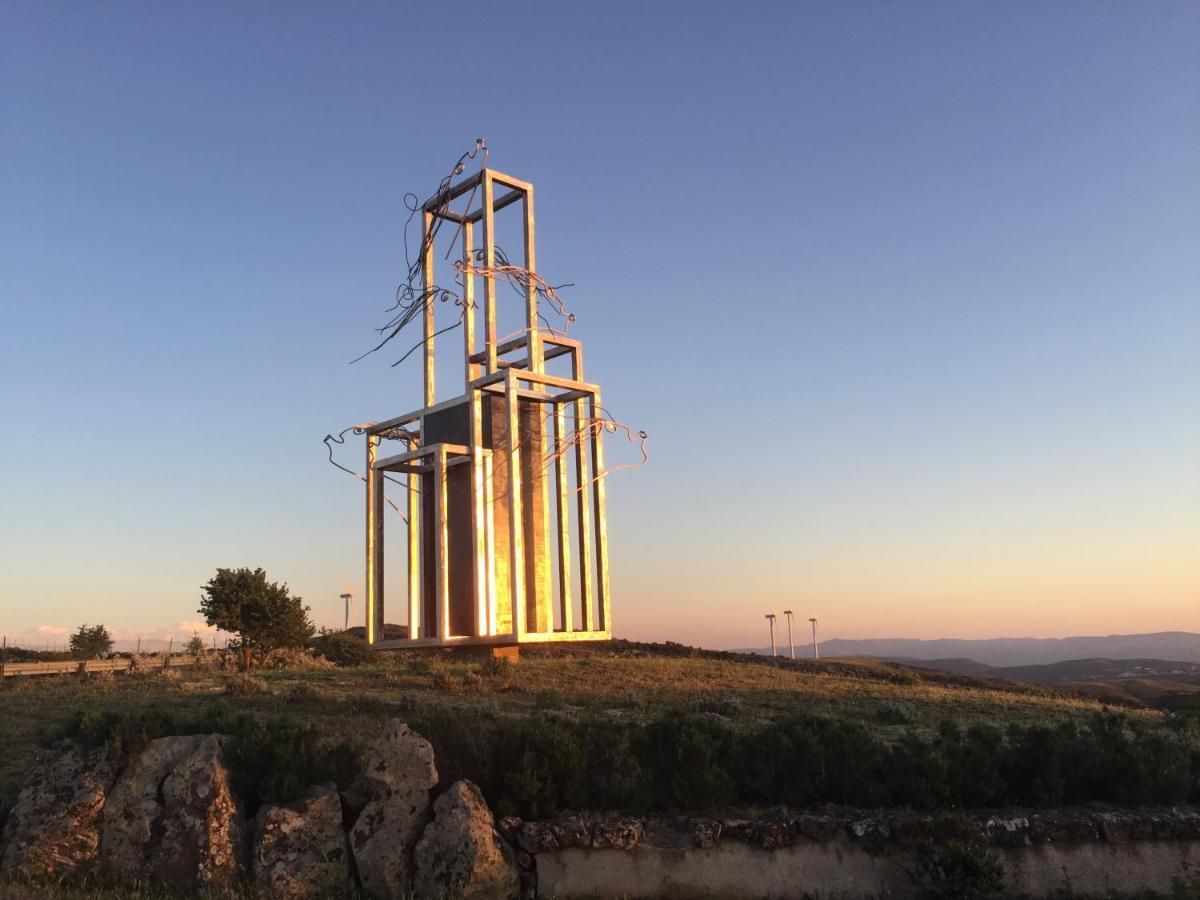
{"type": "Point", "coordinates": [630, 725]}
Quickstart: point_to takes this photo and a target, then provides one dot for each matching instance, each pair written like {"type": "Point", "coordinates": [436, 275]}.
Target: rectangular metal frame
{"type": "Point", "coordinates": [516, 381]}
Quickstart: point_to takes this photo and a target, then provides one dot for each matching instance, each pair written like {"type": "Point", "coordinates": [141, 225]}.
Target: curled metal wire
{"type": "Point", "coordinates": [591, 427]}
{"type": "Point", "coordinates": [399, 434]}
{"type": "Point", "coordinates": [414, 299]}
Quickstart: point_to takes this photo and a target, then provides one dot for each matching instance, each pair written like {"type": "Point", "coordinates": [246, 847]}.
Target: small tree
{"type": "Point", "coordinates": [91, 642]}
{"type": "Point", "coordinates": [260, 612]}
{"type": "Point", "coordinates": [195, 645]}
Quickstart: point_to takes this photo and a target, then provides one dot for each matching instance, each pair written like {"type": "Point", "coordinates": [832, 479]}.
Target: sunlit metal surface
{"type": "Point", "coordinates": [489, 475]}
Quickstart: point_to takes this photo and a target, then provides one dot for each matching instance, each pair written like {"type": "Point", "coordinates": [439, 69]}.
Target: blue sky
{"type": "Point", "coordinates": [906, 296]}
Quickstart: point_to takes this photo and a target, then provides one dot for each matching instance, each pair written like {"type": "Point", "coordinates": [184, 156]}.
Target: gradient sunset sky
{"type": "Point", "coordinates": [907, 297]}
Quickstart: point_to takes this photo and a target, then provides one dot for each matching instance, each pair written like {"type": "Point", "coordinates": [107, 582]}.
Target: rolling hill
{"type": "Point", "coordinates": [1183, 646]}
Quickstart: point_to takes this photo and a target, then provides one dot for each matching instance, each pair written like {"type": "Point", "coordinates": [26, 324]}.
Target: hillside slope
{"type": "Point", "coordinates": [624, 681]}
{"type": "Point", "coordinates": [1172, 645]}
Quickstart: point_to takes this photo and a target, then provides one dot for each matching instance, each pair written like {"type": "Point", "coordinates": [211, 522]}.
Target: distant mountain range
{"type": "Point", "coordinates": [1181, 646]}
{"type": "Point", "coordinates": [1070, 671]}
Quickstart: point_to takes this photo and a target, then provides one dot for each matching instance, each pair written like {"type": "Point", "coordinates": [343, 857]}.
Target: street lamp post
{"type": "Point", "coordinates": [791, 648]}
{"type": "Point", "coordinates": [816, 653]}
{"type": "Point", "coordinates": [771, 619]}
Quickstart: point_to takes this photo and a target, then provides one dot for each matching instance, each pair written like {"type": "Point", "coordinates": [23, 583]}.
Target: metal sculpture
{"type": "Point", "coordinates": [504, 483]}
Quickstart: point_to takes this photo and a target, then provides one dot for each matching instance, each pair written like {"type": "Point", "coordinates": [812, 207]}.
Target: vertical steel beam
{"type": "Point", "coordinates": [430, 303]}
{"type": "Point", "coordinates": [601, 517]}
{"type": "Point", "coordinates": [489, 497]}
{"type": "Point", "coordinates": [468, 242]}
{"type": "Point", "coordinates": [516, 537]}
{"type": "Point", "coordinates": [374, 544]}
{"type": "Point", "coordinates": [414, 556]}
{"type": "Point", "coordinates": [532, 329]}
{"type": "Point", "coordinates": [441, 577]}
{"type": "Point", "coordinates": [563, 518]}
{"type": "Point", "coordinates": [582, 507]}
{"type": "Point", "coordinates": [489, 261]}
{"type": "Point", "coordinates": [479, 531]}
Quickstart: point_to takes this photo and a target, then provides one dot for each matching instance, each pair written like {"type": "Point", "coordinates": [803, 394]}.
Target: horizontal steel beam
{"type": "Point", "coordinates": [400, 459]}
{"type": "Point", "coordinates": [530, 637]}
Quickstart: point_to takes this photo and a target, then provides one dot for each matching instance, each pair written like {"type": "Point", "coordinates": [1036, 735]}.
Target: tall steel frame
{"type": "Point", "coordinates": [484, 510]}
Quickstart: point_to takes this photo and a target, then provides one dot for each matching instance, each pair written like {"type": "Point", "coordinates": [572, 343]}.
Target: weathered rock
{"type": "Point", "coordinates": [133, 808]}
{"type": "Point", "coordinates": [536, 837]}
{"type": "Point", "coordinates": [570, 830]}
{"type": "Point", "coordinates": [818, 827]}
{"type": "Point", "coordinates": [872, 831]}
{"type": "Point", "coordinates": [401, 759]}
{"type": "Point", "coordinates": [356, 797]}
{"type": "Point", "coordinates": [402, 767]}
{"type": "Point", "coordinates": [706, 833]}
{"type": "Point", "coordinates": [619, 833]}
{"type": "Point", "coordinates": [738, 827]}
{"type": "Point", "coordinates": [382, 841]}
{"type": "Point", "coordinates": [1062, 827]}
{"type": "Point", "coordinates": [461, 854]}
{"type": "Point", "coordinates": [1007, 831]}
{"type": "Point", "coordinates": [300, 849]}
{"type": "Point", "coordinates": [508, 826]}
{"type": "Point", "coordinates": [202, 826]}
{"type": "Point", "coordinates": [54, 826]}
{"type": "Point", "coordinates": [1121, 827]}
{"type": "Point", "coordinates": [775, 830]}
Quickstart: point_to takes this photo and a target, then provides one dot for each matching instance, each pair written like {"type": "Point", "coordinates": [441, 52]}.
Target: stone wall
{"type": "Point", "coordinates": [843, 869]}
{"type": "Point", "coordinates": [851, 854]}
{"type": "Point", "coordinates": [171, 815]}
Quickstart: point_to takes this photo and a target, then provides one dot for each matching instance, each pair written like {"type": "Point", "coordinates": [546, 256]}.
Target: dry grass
{"type": "Point", "coordinates": [626, 681]}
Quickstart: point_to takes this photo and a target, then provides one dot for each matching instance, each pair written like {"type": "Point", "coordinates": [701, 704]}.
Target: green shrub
{"type": "Point", "coordinates": [494, 667]}
{"type": "Point", "coordinates": [616, 778]}
{"type": "Point", "coordinates": [274, 760]}
{"type": "Point", "coordinates": [539, 765]}
{"type": "Point", "coordinates": [304, 693]}
{"type": "Point", "coordinates": [686, 761]}
{"type": "Point", "coordinates": [891, 712]}
{"type": "Point", "coordinates": [277, 760]}
{"type": "Point", "coordinates": [245, 685]}
{"type": "Point", "coordinates": [463, 746]}
{"type": "Point", "coordinates": [718, 705]}
{"type": "Point", "coordinates": [342, 648]}
{"type": "Point", "coordinates": [543, 767]}
{"type": "Point", "coordinates": [958, 870]}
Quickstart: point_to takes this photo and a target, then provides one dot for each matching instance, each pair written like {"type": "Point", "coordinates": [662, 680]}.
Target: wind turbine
{"type": "Point", "coordinates": [347, 597]}
{"type": "Point", "coordinates": [791, 649]}
{"type": "Point", "coordinates": [816, 653]}
{"type": "Point", "coordinates": [771, 618]}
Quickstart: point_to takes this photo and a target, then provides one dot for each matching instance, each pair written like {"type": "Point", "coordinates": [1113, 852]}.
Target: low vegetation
{"type": "Point", "coordinates": [271, 760]}
{"type": "Point", "coordinates": [536, 766]}
{"type": "Point", "coordinates": [640, 728]}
